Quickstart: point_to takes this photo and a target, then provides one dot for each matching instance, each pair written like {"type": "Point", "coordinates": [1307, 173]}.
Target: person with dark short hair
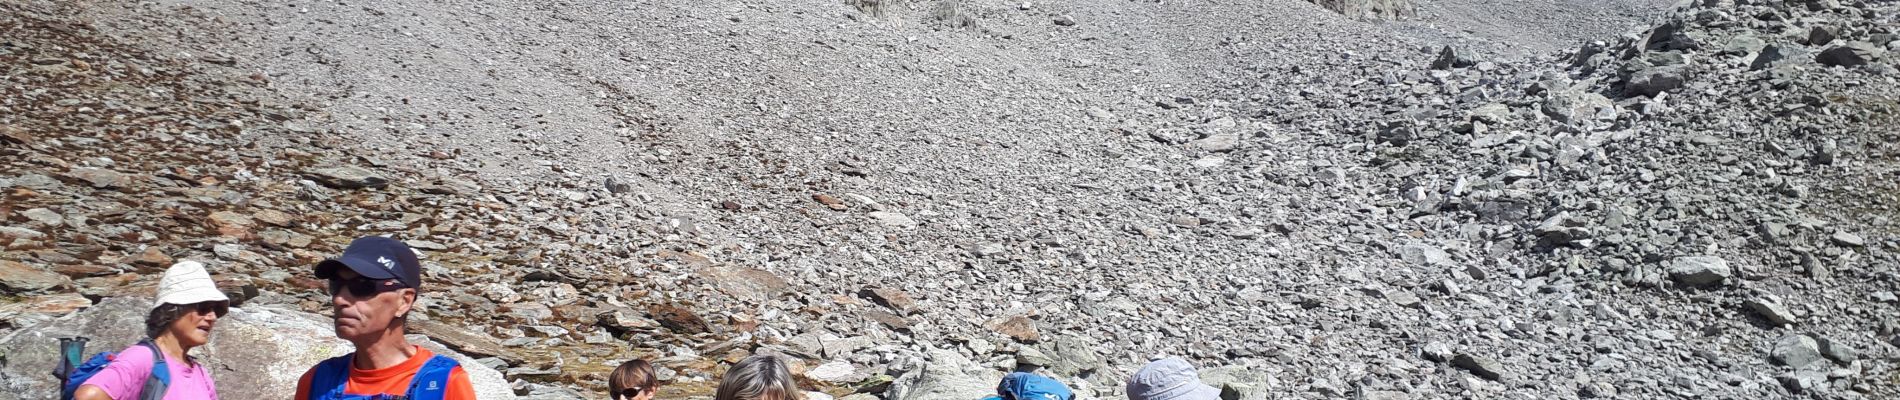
{"type": "Point", "coordinates": [633, 380]}
{"type": "Point", "coordinates": [373, 288]}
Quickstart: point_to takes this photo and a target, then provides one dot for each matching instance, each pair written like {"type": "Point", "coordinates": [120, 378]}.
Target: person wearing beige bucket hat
{"type": "Point", "coordinates": [188, 305]}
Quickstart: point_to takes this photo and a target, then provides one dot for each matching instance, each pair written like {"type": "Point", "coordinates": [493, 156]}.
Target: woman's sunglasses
{"type": "Point", "coordinates": [364, 287]}
{"type": "Point", "coordinates": [211, 307]}
{"type": "Point", "coordinates": [628, 393]}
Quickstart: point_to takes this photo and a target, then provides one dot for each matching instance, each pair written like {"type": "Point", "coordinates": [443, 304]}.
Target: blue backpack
{"type": "Point", "coordinates": [1027, 386]}
{"type": "Point", "coordinates": [72, 373]}
{"type": "Point", "coordinates": [430, 383]}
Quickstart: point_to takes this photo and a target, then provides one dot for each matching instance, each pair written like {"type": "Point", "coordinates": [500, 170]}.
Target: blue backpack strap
{"type": "Point", "coordinates": [329, 378]}
{"type": "Point", "coordinates": [160, 380]}
{"type": "Point", "coordinates": [432, 381]}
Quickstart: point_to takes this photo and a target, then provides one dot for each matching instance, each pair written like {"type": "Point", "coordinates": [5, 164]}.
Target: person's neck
{"type": "Point", "coordinates": [385, 351]}
{"type": "Point", "coordinates": [169, 345]}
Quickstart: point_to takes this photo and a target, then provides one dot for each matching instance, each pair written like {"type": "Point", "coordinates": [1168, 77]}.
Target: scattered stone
{"type": "Point", "coordinates": [1020, 328]}
{"type": "Point", "coordinates": [1822, 35]}
{"type": "Point", "coordinates": [44, 217]}
{"type": "Point", "coordinates": [889, 320]}
{"type": "Point", "coordinates": [1848, 239]}
{"type": "Point", "coordinates": [1849, 55]}
{"type": "Point", "coordinates": [346, 177]}
{"type": "Point", "coordinates": [746, 284]}
{"type": "Point", "coordinates": [1452, 57]}
{"type": "Point", "coordinates": [1796, 350]}
{"type": "Point", "coordinates": [1837, 351]}
{"type": "Point", "coordinates": [1436, 351]}
{"type": "Point", "coordinates": [1700, 271]}
{"type": "Point", "coordinates": [1483, 367]}
{"type": "Point", "coordinates": [1655, 81]}
{"type": "Point", "coordinates": [1771, 309]}
{"type": "Point", "coordinates": [893, 219]}
{"type": "Point", "coordinates": [101, 178]}
{"type": "Point", "coordinates": [1424, 254]}
{"type": "Point", "coordinates": [893, 298]}
{"type": "Point", "coordinates": [1064, 20]}
{"type": "Point", "coordinates": [678, 319]}
{"type": "Point", "coordinates": [18, 278]}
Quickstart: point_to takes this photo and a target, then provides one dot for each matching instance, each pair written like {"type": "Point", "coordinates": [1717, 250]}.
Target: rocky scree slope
{"type": "Point", "coordinates": [1292, 212]}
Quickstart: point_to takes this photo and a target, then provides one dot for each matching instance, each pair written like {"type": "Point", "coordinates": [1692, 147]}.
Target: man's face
{"type": "Point", "coordinates": [364, 316]}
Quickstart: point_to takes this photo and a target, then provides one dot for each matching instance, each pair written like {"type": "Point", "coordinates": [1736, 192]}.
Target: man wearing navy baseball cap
{"type": "Point", "coordinates": [373, 288]}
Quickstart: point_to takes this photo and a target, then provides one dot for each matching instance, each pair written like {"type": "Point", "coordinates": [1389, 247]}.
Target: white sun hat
{"type": "Point", "coordinates": [187, 283]}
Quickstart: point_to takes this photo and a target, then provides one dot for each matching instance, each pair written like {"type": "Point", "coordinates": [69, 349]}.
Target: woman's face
{"type": "Point", "coordinates": [193, 326]}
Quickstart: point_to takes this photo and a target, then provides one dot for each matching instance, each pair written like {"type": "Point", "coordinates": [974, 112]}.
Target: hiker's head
{"type": "Point", "coordinates": [759, 377]}
{"type": "Point", "coordinates": [373, 286]}
{"type": "Point", "coordinates": [1169, 378]}
{"type": "Point", "coordinates": [633, 380]}
{"type": "Point", "coordinates": [187, 306]}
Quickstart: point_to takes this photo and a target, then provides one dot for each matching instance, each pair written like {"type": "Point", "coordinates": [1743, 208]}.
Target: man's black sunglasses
{"type": "Point", "coordinates": [364, 287]}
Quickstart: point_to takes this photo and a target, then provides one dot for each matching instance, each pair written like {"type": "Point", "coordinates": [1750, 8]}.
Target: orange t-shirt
{"type": "Point", "coordinates": [394, 379]}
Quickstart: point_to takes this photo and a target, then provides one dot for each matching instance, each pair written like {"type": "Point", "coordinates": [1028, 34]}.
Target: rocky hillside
{"type": "Point", "coordinates": [913, 197]}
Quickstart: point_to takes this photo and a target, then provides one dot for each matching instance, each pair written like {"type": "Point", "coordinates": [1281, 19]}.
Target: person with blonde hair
{"type": "Point", "coordinates": [633, 380]}
{"type": "Point", "coordinates": [759, 377]}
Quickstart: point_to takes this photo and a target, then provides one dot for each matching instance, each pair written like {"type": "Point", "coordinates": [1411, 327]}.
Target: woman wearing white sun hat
{"type": "Point", "coordinates": [188, 305]}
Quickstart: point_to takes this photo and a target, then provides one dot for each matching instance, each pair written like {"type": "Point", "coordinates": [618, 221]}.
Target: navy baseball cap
{"type": "Point", "coordinates": [376, 257]}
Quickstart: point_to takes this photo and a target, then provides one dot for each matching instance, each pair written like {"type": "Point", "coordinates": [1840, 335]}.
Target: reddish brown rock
{"type": "Point", "coordinates": [233, 225]}
{"type": "Point", "coordinates": [678, 319]}
{"type": "Point", "coordinates": [1018, 327]}
{"type": "Point", "coordinates": [153, 258]}
{"type": "Point", "coordinates": [19, 278]}
{"type": "Point", "coordinates": [273, 217]}
{"type": "Point", "coordinates": [893, 298]}
{"type": "Point", "coordinates": [889, 320]}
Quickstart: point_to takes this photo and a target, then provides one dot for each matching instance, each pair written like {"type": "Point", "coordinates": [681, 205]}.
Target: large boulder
{"type": "Point", "coordinates": [947, 375]}
{"type": "Point", "coordinates": [255, 352]}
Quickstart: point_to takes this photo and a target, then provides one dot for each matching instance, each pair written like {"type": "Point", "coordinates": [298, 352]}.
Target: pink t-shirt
{"type": "Point", "coordinates": [125, 376]}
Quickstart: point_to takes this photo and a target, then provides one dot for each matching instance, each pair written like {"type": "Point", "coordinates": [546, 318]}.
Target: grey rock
{"type": "Point", "coordinates": [1772, 55]}
{"type": "Point", "coordinates": [1700, 271]}
{"type": "Point", "coordinates": [44, 217]}
{"type": "Point", "coordinates": [1822, 35]}
{"type": "Point", "coordinates": [1483, 367]}
{"type": "Point", "coordinates": [1771, 309]}
{"type": "Point", "coordinates": [1451, 57]}
{"type": "Point", "coordinates": [1072, 355]}
{"type": "Point", "coordinates": [346, 177]}
{"type": "Point", "coordinates": [1424, 254]}
{"type": "Point", "coordinates": [1848, 239]}
{"type": "Point", "coordinates": [1064, 20]}
{"type": "Point", "coordinates": [1653, 81]}
{"type": "Point", "coordinates": [1437, 351]}
{"type": "Point", "coordinates": [1795, 350]}
{"type": "Point", "coordinates": [1849, 55]}
{"type": "Point", "coordinates": [945, 375]}
{"type": "Point", "coordinates": [893, 219]}
{"type": "Point", "coordinates": [1574, 105]}
{"type": "Point", "coordinates": [1837, 351]}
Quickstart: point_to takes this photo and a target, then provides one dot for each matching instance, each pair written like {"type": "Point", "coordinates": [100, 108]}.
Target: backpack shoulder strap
{"type": "Point", "coordinates": [330, 378]}
{"type": "Point", "coordinates": [159, 381]}
{"type": "Point", "coordinates": [432, 380]}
